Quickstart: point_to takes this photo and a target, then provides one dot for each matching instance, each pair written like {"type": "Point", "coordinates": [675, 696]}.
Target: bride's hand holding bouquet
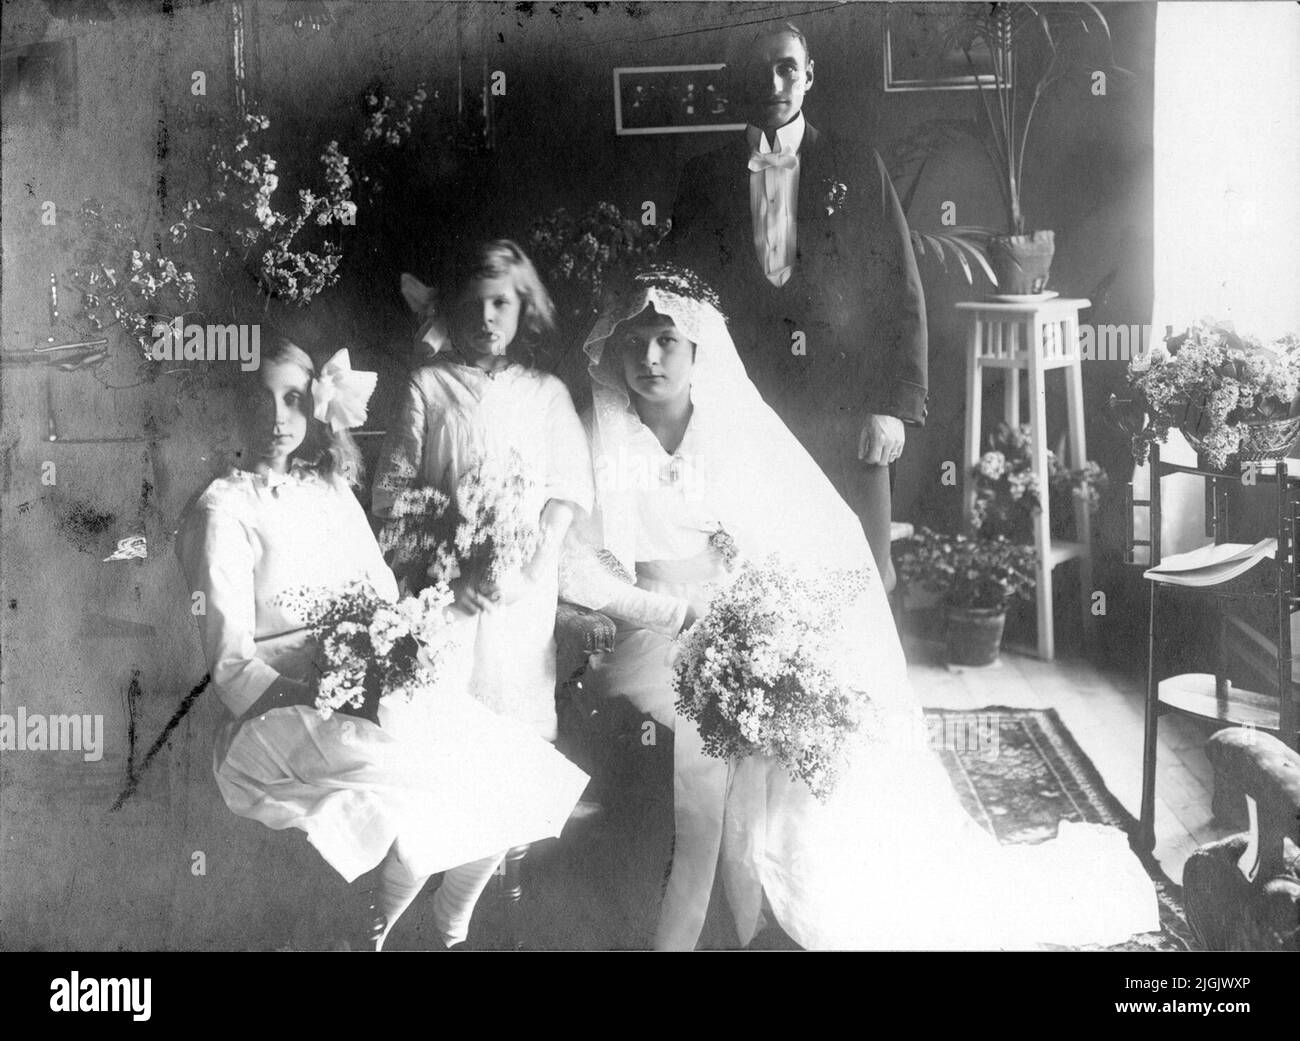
{"type": "Point", "coordinates": [761, 672]}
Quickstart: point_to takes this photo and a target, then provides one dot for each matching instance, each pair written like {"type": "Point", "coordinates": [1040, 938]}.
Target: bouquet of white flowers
{"type": "Point", "coordinates": [370, 647]}
{"type": "Point", "coordinates": [757, 673]}
{"type": "Point", "coordinates": [485, 529]}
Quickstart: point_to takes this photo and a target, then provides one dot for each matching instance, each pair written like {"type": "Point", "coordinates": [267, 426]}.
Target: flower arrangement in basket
{"type": "Point", "coordinates": [1007, 492]}
{"type": "Point", "coordinates": [1230, 395]}
{"type": "Point", "coordinates": [757, 673]}
{"type": "Point", "coordinates": [487, 530]}
{"type": "Point", "coordinates": [372, 648]}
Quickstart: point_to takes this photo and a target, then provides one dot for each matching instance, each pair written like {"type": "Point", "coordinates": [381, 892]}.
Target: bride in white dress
{"type": "Point", "coordinates": [682, 445]}
{"type": "Point", "coordinates": [441, 784]}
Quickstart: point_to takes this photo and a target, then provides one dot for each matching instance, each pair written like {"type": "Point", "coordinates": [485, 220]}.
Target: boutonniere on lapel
{"type": "Point", "coordinates": [833, 196]}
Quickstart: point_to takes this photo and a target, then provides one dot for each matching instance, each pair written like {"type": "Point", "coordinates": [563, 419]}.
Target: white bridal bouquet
{"type": "Point", "coordinates": [371, 647]}
{"type": "Point", "coordinates": [484, 530]}
{"type": "Point", "coordinates": [758, 673]}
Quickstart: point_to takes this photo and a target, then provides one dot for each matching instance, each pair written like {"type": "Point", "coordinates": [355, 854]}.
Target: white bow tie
{"type": "Point", "coordinates": [785, 159]}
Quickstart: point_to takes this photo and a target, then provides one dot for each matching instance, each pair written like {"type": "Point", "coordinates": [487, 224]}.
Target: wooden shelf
{"type": "Point", "coordinates": [1063, 550]}
{"type": "Point", "coordinates": [1265, 470]}
{"type": "Point", "coordinates": [1192, 694]}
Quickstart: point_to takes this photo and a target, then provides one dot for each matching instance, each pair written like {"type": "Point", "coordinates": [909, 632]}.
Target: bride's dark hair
{"type": "Point", "coordinates": [327, 452]}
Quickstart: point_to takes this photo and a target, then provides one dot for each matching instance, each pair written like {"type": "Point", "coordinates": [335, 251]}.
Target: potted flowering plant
{"type": "Point", "coordinates": [978, 579]}
{"type": "Point", "coordinates": [1022, 257]}
{"type": "Point", "coordinates": [1007, 493]}
{"type": "Point", "coordinates": [1232, 396]}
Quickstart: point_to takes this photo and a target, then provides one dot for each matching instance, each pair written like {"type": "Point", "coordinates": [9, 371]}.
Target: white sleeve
{"type": "Point", "coordinates": [587, 580]}
{"type": "Point", "coordinates": [216, 555]}
{"type": "Point", "coordinates": [363, 537]}
{"type": "Point", "coordinates": [401, 460]}
{"type": "Point", "coordinates": [568, 475]}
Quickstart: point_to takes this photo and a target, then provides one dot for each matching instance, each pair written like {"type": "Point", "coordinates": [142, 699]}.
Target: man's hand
{"type": "Point", "coordinates": [881, 440]}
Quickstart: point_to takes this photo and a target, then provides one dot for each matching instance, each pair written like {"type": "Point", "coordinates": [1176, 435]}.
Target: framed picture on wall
{"type": "Point", "coordinates": [672, 99]}
{"type": "Point", "coordinates": [921, 50]}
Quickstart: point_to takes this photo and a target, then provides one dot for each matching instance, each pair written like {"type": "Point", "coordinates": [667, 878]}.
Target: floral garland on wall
{"type": "Point", "coordinates": [241, 245]}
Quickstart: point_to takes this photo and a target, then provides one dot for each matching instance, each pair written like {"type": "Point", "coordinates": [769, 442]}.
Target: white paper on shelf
{"type": "Point", "coordinates": [1210, 564]}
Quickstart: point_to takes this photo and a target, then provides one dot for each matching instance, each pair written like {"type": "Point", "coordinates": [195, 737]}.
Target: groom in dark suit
{"type": "Point", "coordinates": [803, 237]}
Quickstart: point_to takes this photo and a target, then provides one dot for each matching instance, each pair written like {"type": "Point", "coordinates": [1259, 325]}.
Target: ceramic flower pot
{"type": "Point", "coordinates": [975, 634]}
{"type": "Point", "coordinates": [1022, 262]}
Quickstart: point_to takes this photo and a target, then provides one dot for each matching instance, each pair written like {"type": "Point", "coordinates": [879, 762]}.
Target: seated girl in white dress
{"type": "Point", "coordinates": [479, 399]}
{"type": "Point", "coordinates": [440, 784]}
{"type": "Point", "coordinates": [683, 445]}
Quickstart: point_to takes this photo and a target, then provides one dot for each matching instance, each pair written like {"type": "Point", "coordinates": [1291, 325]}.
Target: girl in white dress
{"type": "Point", "coordinates": [440, 784]}
{"type": "Point", "coordinates": [479, 400]}
{"type": "Point", "coordinates": [683, 445]}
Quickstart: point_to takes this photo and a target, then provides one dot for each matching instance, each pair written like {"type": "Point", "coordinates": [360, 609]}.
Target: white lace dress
{"type": "Point", "coordinates": [451, 417]}
{"type": "Point", "coordinates": [450, 779]}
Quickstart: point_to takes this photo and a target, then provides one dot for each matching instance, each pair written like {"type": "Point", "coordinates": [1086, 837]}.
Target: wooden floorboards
{"type": "Point", "coordinates": [1103, 709]}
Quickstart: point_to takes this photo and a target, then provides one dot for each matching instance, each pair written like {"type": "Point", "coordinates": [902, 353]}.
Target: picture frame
{"type": "Point", "coordinates": [916, 58]}
{"type": "Point", "coordinates": [672, 99]}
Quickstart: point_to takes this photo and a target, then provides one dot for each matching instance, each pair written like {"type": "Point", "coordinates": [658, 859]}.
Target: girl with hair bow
{"type": "Point", "coordinates": [439, 784]}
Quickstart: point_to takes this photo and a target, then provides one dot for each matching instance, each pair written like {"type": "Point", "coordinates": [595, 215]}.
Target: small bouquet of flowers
{"type": "Point", "coordinates": [487, 529]}
{"type": "Point", "coordinates": [1229, 394]}
{"type": "Point", "coordinates": [757, 673]}
{"type": "Point", "coordinates": [370, 647]}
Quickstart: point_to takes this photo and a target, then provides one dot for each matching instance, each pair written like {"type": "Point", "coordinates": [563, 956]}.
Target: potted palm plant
{"type": "Point", "coordinates": [977, 579]}
{"type": "Point", "coordinates": [1022, 257]}
{"type": "Point", "coordinates": [960, 244]}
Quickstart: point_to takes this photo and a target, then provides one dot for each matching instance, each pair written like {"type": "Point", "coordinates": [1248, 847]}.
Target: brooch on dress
{"type": "Point", "coordinates": [721, 542]}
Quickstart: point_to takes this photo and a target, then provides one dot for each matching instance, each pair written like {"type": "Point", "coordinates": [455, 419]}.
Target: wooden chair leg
{"type": "Point", "coordinates": [512, 884]}
{"type": "Point", "coordinates": [1147, 827]}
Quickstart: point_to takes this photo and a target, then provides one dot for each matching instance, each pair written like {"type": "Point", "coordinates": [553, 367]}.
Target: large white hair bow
{"type": "Point", "coordinates": [340, 394]}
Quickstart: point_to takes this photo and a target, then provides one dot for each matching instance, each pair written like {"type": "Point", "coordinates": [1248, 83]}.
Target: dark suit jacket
{"type": "Point", "coordinates": [855, 293]}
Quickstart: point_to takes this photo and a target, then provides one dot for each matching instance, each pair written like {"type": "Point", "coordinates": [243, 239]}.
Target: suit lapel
{"type": "Point", "coordinates": [816, 167]}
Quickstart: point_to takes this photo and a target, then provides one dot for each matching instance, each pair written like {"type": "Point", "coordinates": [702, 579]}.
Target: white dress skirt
{"type": "Point", "coordinates": [892, 860]}
{"type": "Point", "coordinates": [446, 778]}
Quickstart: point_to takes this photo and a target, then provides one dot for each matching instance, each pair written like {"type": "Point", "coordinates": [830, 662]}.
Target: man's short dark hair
{"type": "Point", "coordinates": [793, 30]}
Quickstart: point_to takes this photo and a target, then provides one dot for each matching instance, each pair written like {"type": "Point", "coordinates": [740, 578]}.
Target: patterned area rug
{"type": "Point", "coordinates": [1019, 773]}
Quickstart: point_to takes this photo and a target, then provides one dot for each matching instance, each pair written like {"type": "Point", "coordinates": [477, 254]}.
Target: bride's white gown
{"type": "Point", "coordinates": [892, 860]}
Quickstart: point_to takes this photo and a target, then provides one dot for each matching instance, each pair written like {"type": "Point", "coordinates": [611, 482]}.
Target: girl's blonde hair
{"type": "Point", "coordinates": [497, 258]}
{"type": "Point", "coordinates": [326, 451]}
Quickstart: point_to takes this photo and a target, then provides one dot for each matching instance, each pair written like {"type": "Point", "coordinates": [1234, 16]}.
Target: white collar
{"type": "Point", "coordinates": [790, 135]}
{"type": "Point", "coordinates": [298, 473]}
